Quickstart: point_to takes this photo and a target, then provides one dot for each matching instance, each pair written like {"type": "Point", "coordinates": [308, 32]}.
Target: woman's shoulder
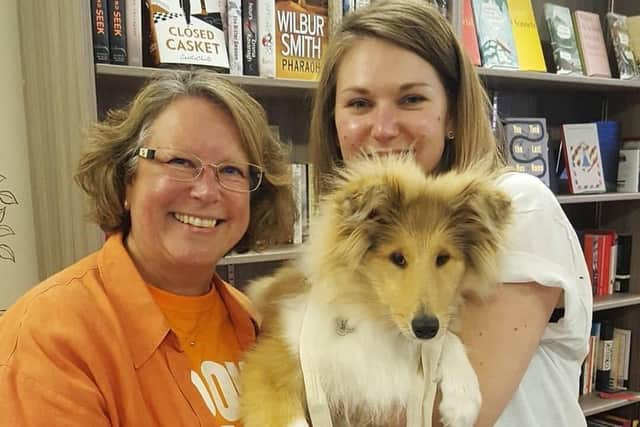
{"type": "Point", "coordinates": [527, 192]}
{"type": "Point", "coordinates": [55, 312]}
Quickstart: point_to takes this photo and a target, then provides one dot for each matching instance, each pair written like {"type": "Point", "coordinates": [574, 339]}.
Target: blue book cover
{"type": "Point", "coordinates": [495, 36]}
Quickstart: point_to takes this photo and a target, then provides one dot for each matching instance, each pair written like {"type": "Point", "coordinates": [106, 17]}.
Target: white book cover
{"type": "Point", "coordinates": [134, 31]}
{"type": "Point", "coordinates": [234, 32]}
{"type": "Point", "coordinates": [267, 38]}
{"type": "Point", "coordinates": [582, 156]}
{"type": "Point", "coordinates": [189, 32]}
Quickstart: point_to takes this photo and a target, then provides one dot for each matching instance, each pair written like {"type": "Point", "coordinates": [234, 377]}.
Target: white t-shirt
{"type": "Point", "coordinates": [543, 247]}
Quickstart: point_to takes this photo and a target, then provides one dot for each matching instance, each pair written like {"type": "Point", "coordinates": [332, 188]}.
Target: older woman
{"type": "Point", "coordinates": [143, 332]}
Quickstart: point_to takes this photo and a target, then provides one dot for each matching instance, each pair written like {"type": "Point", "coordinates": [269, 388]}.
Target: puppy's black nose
{"type": "Point", "coordinates": [425, 327]}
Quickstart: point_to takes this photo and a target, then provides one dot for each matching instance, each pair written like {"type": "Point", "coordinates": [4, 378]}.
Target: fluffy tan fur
{"type": "Point", "coordinates": [391, 248]}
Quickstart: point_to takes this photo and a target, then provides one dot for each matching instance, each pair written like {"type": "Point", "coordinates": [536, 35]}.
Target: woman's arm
{"type": "Point", "coordinates": [501, 336]}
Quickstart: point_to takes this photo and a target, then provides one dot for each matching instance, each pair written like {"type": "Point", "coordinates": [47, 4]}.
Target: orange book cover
{"type": "Point", "coordinates": [302, 33]}
{"type": "Point", "coordinates": [591, 44]}
{"type": "Point", "coordinates": [469, 36]}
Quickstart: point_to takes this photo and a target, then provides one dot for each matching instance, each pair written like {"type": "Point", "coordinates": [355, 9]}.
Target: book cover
{"type": "Point", "coordinates": [469, 36]}
{"type": "Point", "coordinates": [526, 36]}
{"type": "Point", "coordinates": [250, 38]}
{"type": "Point", "coordinates": [633, 27]}
{"type": "Point", "coordinates": [623, 263]}
{"type": "Point", "coordinates": [603, 368]}
{"type": "Point", "coordinates": [234, 36]}
{"type": "Point", "coordinates": [134, 32]}
{"type": "Point", "coordinates": [627, 67]}
{"type": "Point", "coordinates": [628, 180]}
{"type": "Point", "coordinates": [117, 33]}
{"type": "Point", "coordinates": [591, 43]}
{"type": "Point", "coordinates": [302, 30]}
{"type": "Point", "coordinates": [266, 38]}
{"type": "Point", "coordinates": [563, 40]}
{"type": "Point", "coordinates": [100, 29]}
{"type": "Point", "coordinates": [188, 32]}
{"type": "Point", "coordinates": [582, 156]}
{"type": "Point", "coordinates": [526, 146]}
{"type": "Point", "coordinates": [495, 37]}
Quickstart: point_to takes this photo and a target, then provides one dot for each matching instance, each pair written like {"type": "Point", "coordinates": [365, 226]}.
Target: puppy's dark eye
{"type": "Point", "coordinates": [398, 259]}
{"type": "Point", "coordinates": [442, 259]}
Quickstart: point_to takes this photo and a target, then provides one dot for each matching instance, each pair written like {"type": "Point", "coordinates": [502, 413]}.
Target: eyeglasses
{"type": "Point", "coordinates": [180, 166]}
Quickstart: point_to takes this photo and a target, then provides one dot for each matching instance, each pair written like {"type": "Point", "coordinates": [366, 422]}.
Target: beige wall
{"type": "Point", "coordinates": [20, 274]}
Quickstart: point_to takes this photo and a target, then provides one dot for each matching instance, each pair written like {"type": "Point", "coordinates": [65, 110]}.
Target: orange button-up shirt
{"type": "Point", "coordinates": [90, 347]}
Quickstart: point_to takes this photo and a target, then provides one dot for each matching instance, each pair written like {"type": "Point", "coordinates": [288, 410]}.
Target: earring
{"type": "Point", "coordinates": [126, 205]}
{"type": "Point", "coordinates": [450, 135]}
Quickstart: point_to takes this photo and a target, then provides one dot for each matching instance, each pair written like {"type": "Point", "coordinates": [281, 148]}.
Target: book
{"type": "Point", "coordinates": [627, 67]}
{"type": "Point", "coordinates": [603, 367]}
{"type": "Point", "coordinates": [117, 33]}
{"type": "Point", "coordinates": [526, 36]}
{"type": "Point", "coordinates": [623, 263]}
{"type": "Point", "coordinates": [134, 32]}
{"type": "Point", "coordinates": [591, 44]}
{"type": "Point", "coordinates": [628, 180]}
{"type": "Point", "coordinates": [582, 157]}
{"type": "Point", "coordinates": [188, 36]}
{"type": "Point", "coordinates": [495, 36]}
{"type": "Point", "coordinates": [250, 38]}
{"type": "Point", "coordinates": [100, 31]}
{"type": "Point", "coordinates": [526, 146]}
{"type": "Point", "coordinates": [301, 37]}
{"type": "Point", "coordinates": [563, 40]}
{"type": "Point", "coordinates": [608, 138]}
{"type": "Point", "coordinates": [633, 27]}
{"type": "Point", "coordinates": [469, 37]}
{"type": "Point", "coordinates": [266, 38]}
{"type": "Point", "coordinates": [234, 36]}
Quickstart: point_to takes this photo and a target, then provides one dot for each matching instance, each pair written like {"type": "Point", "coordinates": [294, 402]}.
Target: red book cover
{"type": "Point", "coordinates": [590, 248]}
{"type": "Point", "coordinates": [469, 36]}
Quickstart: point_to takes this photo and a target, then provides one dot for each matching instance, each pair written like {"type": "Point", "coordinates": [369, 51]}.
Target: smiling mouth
{"type": "Point", "coordinates": [196, 221]}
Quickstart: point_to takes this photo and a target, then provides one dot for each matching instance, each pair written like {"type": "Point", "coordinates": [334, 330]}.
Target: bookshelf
{"type": "Point", "coordinates": [64, 92]}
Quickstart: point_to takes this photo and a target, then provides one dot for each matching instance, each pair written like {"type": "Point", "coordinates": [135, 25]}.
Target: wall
{"type": "Point", "coordinates": [18, 260]}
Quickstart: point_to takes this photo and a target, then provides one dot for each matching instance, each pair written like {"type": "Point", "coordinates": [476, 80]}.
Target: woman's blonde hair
{"type": "Point", "coordinates": [110, 159]}
{"type": "Point", "coordinates": [419, 28]}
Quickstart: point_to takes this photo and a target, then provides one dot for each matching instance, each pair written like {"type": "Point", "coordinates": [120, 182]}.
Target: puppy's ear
{"type": "Point", "coordinates": [367, 206]}
{"type": "Point", "coordinates": [481, 214]}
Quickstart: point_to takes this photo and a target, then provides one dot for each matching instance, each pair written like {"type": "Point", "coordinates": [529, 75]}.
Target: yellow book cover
{"type": "Point", "coordinates": [302, 33]}
{"type": "Point", "coordinates": [527, 38]}
{"type": "Point", "coordinates": [633, 26]}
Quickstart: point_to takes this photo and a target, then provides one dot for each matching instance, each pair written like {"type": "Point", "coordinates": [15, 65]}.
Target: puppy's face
{"type": "Point", "coordinates": [413, 242]}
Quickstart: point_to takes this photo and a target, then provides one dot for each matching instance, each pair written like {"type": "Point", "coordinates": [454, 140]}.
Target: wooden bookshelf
{"type": "Point", "coordinates": [616, 300]}
{"type": "Point", "coordinates": [278, 254]}
{"type": "Point", "coordinates": [567, 199]}
{"type": "Point", "coordinates": [592, 404]}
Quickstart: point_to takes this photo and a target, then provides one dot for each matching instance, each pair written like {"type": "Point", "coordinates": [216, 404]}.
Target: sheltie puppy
{"type": "Point", "coordinates": [390, 257]}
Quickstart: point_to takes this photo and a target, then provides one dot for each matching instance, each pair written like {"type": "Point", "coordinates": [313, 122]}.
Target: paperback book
{"type": "Point", "coordinates": [563, 40]}
{"type": "Point", "coordinates": [188, 32]}
{"type": "Point", "coordinates": [495, 37]}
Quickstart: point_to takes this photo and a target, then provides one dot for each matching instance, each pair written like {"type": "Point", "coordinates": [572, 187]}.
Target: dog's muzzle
{"type": "Point", "coordinates": [425, 327]}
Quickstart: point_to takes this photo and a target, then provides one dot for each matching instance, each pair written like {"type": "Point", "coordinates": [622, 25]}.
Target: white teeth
{"type": "Point", "coordinates": [195, 221]}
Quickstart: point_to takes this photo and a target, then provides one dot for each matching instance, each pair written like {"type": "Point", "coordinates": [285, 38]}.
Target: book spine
{"type": "Point", "coordinates": [133, 12]}
{"type": "Point", "coordinates": [117, 34]}
{"type": "Point", "coordinates": [234, 32]}
{"type": "Point", "coordinates": [267, 38]}
{"type": "Point", "coordinates": [250, 44]}
{"type": "Point", "coordinates": [603, 370]}
{"type": "Point", "coordinates": [100, 28]}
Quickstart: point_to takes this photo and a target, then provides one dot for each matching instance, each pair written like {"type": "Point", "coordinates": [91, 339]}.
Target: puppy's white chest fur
{"type": "Point", "coordinates": [365, 364]}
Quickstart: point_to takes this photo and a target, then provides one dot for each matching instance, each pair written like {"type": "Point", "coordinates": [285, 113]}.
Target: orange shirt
{"type": "Point", "coordinates": [90, 347]}
{"type": "Point", "coordinates": [206, 334]}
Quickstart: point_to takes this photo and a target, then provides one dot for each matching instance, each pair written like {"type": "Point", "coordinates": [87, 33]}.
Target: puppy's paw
{"type": "Point", "coordinates": [461, 398]}
{"type": "Point", "coordinates": [300, 422]}
{"type": "Point", "coordinates": [460, 403]}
